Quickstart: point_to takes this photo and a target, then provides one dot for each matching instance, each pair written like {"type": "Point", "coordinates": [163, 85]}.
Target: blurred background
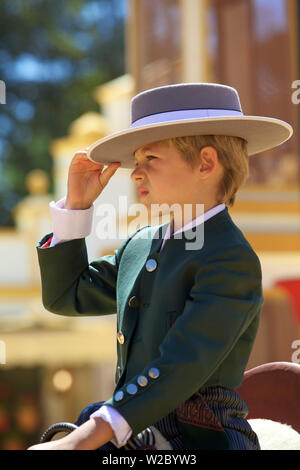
{"type": "Point", "coordinates": [68, 71]}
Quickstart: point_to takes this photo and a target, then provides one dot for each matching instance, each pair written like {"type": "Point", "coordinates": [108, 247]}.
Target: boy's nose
{"type": "Point", "coordinates": [137, 175]}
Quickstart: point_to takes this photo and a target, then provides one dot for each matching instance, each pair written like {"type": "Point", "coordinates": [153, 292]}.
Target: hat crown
{"type": "Point", "coordinates": [184, 96]}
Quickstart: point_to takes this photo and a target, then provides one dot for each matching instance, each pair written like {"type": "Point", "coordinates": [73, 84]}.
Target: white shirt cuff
{"type": "Point", "coordinates": [118, 424]}
{"type": "Point", "coordinates": [70, 224]}
{"type": "Point", "coordinates": [55, 241]}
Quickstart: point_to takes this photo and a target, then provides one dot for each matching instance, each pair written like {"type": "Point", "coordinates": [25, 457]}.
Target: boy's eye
{"type": "Point", "coordinates": [147, 156]}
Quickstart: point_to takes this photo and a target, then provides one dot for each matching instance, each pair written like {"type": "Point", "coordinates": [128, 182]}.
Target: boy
{"type": "Point", "coordinates": [187, 318]}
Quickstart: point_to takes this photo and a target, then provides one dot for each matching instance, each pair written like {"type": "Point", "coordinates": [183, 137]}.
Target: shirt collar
{"type": "Point", "coordinates": [199, 220]}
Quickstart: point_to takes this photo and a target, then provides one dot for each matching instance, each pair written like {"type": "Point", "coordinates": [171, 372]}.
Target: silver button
{"type": "Point", "coordinates": [131, 389]}
{"type": "Point", "coordinates": [134, 302]}
{"type": "Point", "coordinates": [119, 396]}
{"type": "Point", "coordinates": [120, 337]}
{"type": "Point", "coordinates": [151, 265]}
{"type": "Point", "coordinates": [153, 373]}
{"type": "Point", "coordinates": [142, 381]}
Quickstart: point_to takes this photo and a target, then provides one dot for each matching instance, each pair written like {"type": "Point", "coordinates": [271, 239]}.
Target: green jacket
{"type": "Point", "coordinates": [186, 319]}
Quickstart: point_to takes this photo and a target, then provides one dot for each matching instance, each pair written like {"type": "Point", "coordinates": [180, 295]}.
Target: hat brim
{"type": "Point", "coordinates": [261, 133]}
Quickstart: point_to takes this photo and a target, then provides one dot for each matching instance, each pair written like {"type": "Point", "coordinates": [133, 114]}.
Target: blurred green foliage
{"type": "Point", "coordinates": [53, 54]}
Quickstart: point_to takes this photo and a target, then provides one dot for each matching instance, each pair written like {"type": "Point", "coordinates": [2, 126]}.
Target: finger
{"type": "Point", "coordinates": [81, 155]}
{"type": "Point", "coordinates": [108, 173]}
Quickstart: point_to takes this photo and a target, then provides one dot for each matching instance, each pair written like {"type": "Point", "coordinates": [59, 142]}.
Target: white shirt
{"type": "Point", "coordinates": [72, 224]}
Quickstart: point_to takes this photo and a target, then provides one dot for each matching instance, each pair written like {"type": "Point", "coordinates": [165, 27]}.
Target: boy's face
{"type": "Point", "coordinates": [166, 177]}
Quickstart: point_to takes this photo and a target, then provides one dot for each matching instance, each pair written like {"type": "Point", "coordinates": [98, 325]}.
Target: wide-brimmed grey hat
{"type": "Point", "coordinates": [186, 109]}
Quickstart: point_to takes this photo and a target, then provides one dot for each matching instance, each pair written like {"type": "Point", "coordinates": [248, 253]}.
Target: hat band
{"type": "Point", "coordinates": [184, 114]}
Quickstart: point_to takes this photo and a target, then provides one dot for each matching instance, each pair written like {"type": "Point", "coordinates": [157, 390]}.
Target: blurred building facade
{"type": "Point", "coordinates": [55, 365]}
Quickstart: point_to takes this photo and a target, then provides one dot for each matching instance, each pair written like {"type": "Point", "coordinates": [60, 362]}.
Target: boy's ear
{"type": "Point", "coordinates": [208, 161]}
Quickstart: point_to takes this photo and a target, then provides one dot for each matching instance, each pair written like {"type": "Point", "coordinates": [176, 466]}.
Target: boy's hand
{"type": "Point", "coordinates": [86, 180]}
{"type": "Point", "coordinates": [52, 445]}
{"type": "Point", "coordinates": [92, 434]}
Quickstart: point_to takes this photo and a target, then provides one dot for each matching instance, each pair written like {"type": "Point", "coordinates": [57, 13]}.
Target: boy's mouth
{"type": "Point", "coordinates": [142, 191]}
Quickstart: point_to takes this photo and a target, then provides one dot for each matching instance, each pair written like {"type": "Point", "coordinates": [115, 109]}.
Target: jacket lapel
{"type": "Point", "coordinates": [147, 243]}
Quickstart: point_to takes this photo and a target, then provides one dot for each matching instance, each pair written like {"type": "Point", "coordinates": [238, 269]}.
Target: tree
{"type": "Point", "coordinates": [53, 54]}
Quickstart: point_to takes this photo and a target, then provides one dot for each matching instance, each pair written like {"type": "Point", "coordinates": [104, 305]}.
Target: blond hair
{"type": "Point", "coordinates": [232, 154]}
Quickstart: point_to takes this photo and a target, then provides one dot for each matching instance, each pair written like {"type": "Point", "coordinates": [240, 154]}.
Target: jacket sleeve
{"type": "Point", "coordinates": [224, 300]}
{"type": "Point", "coordinates": [71, 285]}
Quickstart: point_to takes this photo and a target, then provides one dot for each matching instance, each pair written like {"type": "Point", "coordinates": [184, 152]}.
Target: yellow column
{"type": "Point", "coordinates": [194, 44]}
